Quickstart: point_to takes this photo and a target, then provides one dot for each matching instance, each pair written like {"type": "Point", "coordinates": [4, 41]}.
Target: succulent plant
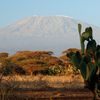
{"type": "Point", "coordinates": [88, 61]}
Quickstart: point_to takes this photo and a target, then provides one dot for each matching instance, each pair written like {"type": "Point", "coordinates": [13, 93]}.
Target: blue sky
{"type": "Point", "coordinates": [85, 10]}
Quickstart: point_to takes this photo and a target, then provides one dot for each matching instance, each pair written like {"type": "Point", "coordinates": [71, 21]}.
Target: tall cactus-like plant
{"type": "Point", "coordinates": [88, 61]}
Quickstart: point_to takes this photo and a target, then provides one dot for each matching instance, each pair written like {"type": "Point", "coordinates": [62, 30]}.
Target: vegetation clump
{"type": "Point", "coordinates": [56, 70]}
{"type": "Point", "coordinates": [3, 55]}
{"type": "Point", "coordinates": [8, 68]}
{"type": "Point", "coordinates": [30, 62]}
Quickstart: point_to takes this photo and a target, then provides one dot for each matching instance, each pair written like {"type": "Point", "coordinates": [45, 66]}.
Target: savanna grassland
{"type": "Point", "coordinates": [39, 75]}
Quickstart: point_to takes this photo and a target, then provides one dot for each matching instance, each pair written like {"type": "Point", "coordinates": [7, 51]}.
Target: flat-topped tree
{"type": "Point", "coordinates": [88, 61]}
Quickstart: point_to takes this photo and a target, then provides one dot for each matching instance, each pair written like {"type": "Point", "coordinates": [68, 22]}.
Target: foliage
{"type": "Point", "coordinates": [35, 61]}
{"type": "Point", "coordinates": [88, 61]}
{"type": "Point", "coordinates": [3, 54]}
{"type": "Point", "coordinates": [8, 68]}
{"type": "Point", "coordinates": [70, 50]}
{"type": "Point", "coordinates": [30, 62]}
{"type": "Point", "coordinates": [55, 70]}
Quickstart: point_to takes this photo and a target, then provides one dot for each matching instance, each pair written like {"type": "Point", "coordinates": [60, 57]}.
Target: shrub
{"type": "Point", "coordinates": [19, 70]}
{"type": "Point", "coordinates": [8, 68]}
{"type": "Point", "coordinates": [56, 70]}
{"type": "Point", "coordinates": [4, 54]}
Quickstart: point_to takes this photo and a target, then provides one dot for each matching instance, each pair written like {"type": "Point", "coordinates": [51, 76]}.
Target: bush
{"type": "Point", "coordinates": [4, 54]}
{"type": "Point", "coordinates": [20, 70]}
{"type": "Point", "coordinates": [8, 68]}
{"type": "Point", "coordinates": [56, 70]}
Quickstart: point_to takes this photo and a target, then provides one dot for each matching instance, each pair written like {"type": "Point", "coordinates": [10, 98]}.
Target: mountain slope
{"type": "Point", "coordinates": [42, 33]}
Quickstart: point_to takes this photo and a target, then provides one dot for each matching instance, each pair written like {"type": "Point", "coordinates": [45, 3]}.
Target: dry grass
{"type": "Point", "coordinates": [40, 81]}
{"type": "Point", "coordinates": [57, 88]}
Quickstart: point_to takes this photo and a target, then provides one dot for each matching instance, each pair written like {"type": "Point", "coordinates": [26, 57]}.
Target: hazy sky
{"type": "Point", "coordinates": [85, 10]}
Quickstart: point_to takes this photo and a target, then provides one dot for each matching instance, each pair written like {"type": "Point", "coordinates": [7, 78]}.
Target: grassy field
{"type": "Point", "coordinates": [42, 81]}
{"type": "Point", "coordinates": [42, 87]}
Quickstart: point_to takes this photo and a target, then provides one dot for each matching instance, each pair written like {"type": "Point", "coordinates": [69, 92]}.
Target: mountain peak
{"type": "Point", "coordinates": [42, 33]}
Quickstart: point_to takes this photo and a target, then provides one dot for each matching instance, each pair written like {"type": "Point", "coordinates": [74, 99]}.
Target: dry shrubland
{"type": "Point", "coordinates": [33, 70]}
{"type": "Point", "coordinates": [35, 62]}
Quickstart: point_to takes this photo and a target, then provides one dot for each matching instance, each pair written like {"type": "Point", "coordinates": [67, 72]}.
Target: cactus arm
{"type": "Point", "coordinates": [79, 29]}
{"type": "Point", "coordinates": [82, 45]}
{"type": "Point", "coordinates": [87, 34]}
{"type": "Point", "coordinates": [81, 38]}
{"type": "Point", "coordinates": [83, 70]}
{"type": "Point", "coordinates": [89, 31]}
{"type": "Point", "coordinates": [92, 78]}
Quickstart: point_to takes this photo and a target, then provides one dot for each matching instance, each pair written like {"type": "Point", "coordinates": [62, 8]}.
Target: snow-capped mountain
{"type": "Point", "coordinates": [55, 33]}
